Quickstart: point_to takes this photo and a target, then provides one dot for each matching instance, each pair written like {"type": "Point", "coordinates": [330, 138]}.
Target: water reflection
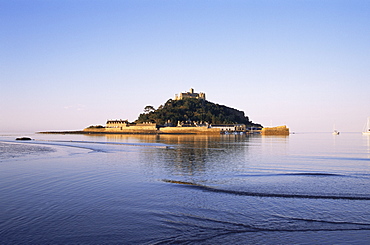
{"type": "Point", "coordinates": [368, 143]}
{"type": "Point", "coordinates": [131, 138]}
{"type": "Point", "coordinates": [199, 155]}
{"type": "Point", "coordinates": [206, 155]}
{"type": "Point", "coordinates": [202, 141]}
{"type": "Point", "coordinates": [275, 144]}
{"type": "Point", "coordinates": [215, 190]}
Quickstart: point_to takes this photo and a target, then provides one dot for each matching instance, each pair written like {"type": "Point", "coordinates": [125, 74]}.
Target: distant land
{"type": "Point", "coordinates": [187, 113]}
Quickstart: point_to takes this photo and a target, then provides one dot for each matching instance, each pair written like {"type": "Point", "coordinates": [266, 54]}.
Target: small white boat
{"type": "Point", "coordinates": [336, 132]}
{"type": "Point", "coordinates": [367, 128]}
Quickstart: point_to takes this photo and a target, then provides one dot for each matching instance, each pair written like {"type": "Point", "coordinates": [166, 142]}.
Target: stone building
{"type": "Point", "coordinates": [117, 123]}
{"type": "Point", "coordinates": [190, 94]}
{"type": "Point", "coordinates": [230, 127]}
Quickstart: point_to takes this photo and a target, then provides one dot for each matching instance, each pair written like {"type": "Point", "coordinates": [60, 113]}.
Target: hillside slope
{"type": "Point", "coordinates": [195, 110]}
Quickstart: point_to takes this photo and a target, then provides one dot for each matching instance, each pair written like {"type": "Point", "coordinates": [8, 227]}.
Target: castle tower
{"type": "Point", "coordinates": [190, 94]}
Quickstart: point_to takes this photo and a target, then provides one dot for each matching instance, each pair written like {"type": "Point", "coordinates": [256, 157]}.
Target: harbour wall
{"type": "Point", "coordinates": [152, 129]}
{"type": "Point", "coordinates": [189, 130]}
{"type": "Point", "coordinates": [280, 130]}
{"type": "Point", "coordinates": [135, 129]}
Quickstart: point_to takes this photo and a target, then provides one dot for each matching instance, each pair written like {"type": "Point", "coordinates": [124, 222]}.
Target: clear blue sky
{"type": "Point", "coordinates": [65, 65]}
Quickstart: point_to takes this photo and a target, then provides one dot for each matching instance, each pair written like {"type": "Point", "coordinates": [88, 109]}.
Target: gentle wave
{"type": "Point", "coordinates": [293, 174]}
{"type": "Point", "coordinates": [338, 158]}
{"type": "Point", "coordinates": [324, 221]}
{"type": "Point", "coordinates": [49, 143]}
{"type": "Point", "coordinates": [9, 150]}
{"type": "Point", "coordinates": [201, 229]}
{"type": "Point", "coordinates": [88, 145]}
{"type": "Point", "coordinates": [262, 194]}
{"type": "Point", "coordinates": [157, 145]}
{"type": "Point", "coordinates": [313, 174]}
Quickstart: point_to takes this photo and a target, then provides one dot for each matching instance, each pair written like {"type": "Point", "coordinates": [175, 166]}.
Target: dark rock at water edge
{"type": "Point", "coordinates": [23, 138]}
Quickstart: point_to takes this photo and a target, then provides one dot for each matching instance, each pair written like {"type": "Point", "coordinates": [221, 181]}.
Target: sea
{"type": "Point", "coordinates": [305, 188]}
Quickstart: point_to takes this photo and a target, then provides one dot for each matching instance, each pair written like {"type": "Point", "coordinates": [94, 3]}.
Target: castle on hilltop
{"type": "Point", "coordinates": [190, 94]}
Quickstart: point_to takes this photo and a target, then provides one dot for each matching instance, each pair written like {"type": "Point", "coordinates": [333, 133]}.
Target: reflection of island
{"type": "Point", "coordinates": [195, 155]}
{"type": "Point", "coordinates": [189, 156]}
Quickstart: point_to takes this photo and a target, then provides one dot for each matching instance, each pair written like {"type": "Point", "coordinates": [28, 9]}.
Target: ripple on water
{"type": "Point", "coordinates": [14, 150]}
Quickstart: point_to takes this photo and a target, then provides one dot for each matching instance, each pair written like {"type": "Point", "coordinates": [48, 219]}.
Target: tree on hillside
{"type": "Point", "coordinates": [148, 109]}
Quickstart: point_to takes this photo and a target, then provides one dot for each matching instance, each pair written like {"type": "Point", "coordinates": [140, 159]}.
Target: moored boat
{"type": "Point", "coordinates": [336, 132]}
{"type": "Point", "coordinates": [367, 128]}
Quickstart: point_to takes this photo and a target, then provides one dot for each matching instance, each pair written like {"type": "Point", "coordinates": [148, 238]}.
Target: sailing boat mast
{"type": "Point", "coordinates": [335, 132]}
{"type": "Point", "coordinates": [367, 129]}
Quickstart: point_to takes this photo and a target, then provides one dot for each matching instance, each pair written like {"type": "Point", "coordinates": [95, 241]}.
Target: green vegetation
{"type": "Point", "coordinates": [95, 126]}
{"type": "Point", "coordinates": [194, 110]}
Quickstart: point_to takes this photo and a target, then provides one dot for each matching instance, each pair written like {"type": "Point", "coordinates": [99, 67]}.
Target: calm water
{"type": "Point", "coordinates": [79, 189]}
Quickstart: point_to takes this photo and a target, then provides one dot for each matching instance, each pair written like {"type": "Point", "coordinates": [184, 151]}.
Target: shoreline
{"type": "Point", "coordinates": [97, 132]}
{"type": "Point", "coordinates": [142, 133]}
{"type": "Point", "coordinates": [91, 132]}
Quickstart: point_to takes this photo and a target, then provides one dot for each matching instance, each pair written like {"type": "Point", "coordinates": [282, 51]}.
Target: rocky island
{"type": "Point", "coordinates": [187, 113]}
